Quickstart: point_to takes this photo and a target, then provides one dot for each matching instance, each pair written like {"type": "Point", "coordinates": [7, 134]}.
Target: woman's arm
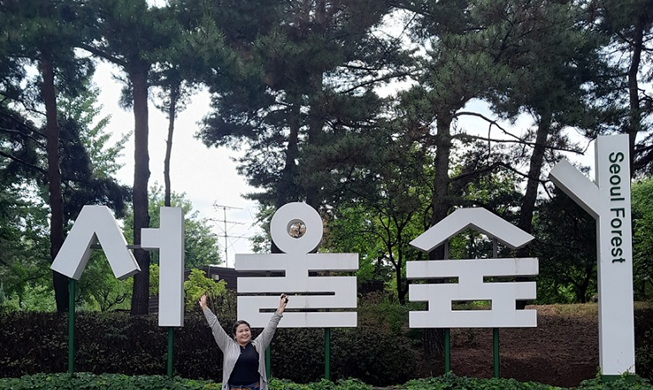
{"type": "Point", "coordinates": [264, 339]}
{"type": "Point", "coordinates": [221, 337]}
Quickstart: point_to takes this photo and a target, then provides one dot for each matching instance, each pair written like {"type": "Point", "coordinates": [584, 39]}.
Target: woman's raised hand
{"type": "Point", "coordinates": [202, 302]}
{"type": "Point", "coordinates": [282, 303]}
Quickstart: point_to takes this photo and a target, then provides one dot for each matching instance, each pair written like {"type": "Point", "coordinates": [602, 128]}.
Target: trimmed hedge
{"type": "Point", "coordinates": [451, 381]}
{"type": "Point", "coordinates": [644, 342]}
{"type": "Point", "coordinates": [381, 351]}
{"type": "Point", "coordinates": [105, 382]}
{"type": "Point", "coordinates": [117, 343]}
{"type": "Point", "coordinates": [445, 382]}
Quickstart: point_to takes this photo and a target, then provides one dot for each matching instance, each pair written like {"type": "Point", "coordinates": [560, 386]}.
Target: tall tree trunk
{"type": "Point", "coordinates": [172, 112]}
{"type": "Point", "coordinates": [402, 289]}
{"type": "Point", "coordinates": [286, 188]}
{"type": "Point", "coordinates": [532, 185]}
{"type": "Point", "coordinates": [441, 182]}
{"type": "Point", "coordinates": [140, 296]}
{"type": "Point", "coordinates": [433, 339]}
{"type": "Point", "coordinates": [634, 116]}
{"type": "Point", "coordinates": [534, 171]}
{"type": "Point", "coordinates": [49, 96]}
{"type": "Point", "coordinates": [315, 121]}
{"type": "Point", "coordinates": [315, 127]}
{"type": "Point", "coordinates": [402, 283]}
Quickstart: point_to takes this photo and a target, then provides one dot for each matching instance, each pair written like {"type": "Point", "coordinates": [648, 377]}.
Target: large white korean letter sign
{"type": "Point", "coordinates": [608, 201]}
{"type": "Point", "coordinates": [169, 239]}
{"type": "Point", "coordinates": [96, 224]}
{"type": "Point", "coordinates": [296, 229]}
{"type": "Point", "coordinates": [470, 274]}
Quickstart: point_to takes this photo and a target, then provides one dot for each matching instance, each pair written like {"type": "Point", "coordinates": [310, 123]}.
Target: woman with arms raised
{"type": "Point", "coordinates": [243, 365]}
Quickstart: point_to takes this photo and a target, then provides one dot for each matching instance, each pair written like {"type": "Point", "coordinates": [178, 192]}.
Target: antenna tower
{"type": "Point", "coordinates": [224, 208]}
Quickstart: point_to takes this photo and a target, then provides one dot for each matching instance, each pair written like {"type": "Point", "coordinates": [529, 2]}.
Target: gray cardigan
{"type": "Point", "coordinates": [231, 349]}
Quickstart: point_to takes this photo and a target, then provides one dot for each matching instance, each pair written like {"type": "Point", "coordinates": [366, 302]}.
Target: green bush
{"type": "Point", "coordinates": [623, 383]}
{"type": "Point", "coordinates": [451, 382]}
{"type": "Point", "coordinates": [104, 382]}
{"type": "Point", "coordinates": [118, 343]}
{"type": "Point", "coordinates": [381, 351]}
{"type": "Point", "coordinates": [446, 382]}
{"type": "Point", "coordinates": [644, 342]}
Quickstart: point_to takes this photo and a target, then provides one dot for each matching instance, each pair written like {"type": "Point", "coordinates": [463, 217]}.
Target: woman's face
{"type": "Point", "coordinates": [243, 334]}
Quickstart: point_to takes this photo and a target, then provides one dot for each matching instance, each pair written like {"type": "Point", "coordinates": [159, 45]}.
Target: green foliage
{"type": "Point", "coordinates": [566, 248]}
{"type": "Point", "coordinates": [84, 109]}
{"type": "Point", "coordinates": [452, 381]}
{"type": "Point", "coordinates": [625, 382]}
{"type": "Point", "coordinates": [158, 382]}
{"type": "Point", "coordinates": [200, 242]}
{"type": "Point", "coordinates": [628, 24]}
{"type": "Point", "coordinates": [105, 382]}
{"type": "Point", "coordinates": [385, 207]}
{"type": "Point", "coordinates": [381, 351]}
{"type": "Point", "coordinates": [88, 166]}
{"type": "Point", "coordinates": [88, 157]}
{"type": "Point", "coordinates": [642, 215]}
{"type": "Point", "coordinates": [114, 342]}
{"type": "Point", "coordinates": [644, 341]}
{"type": "Point", "coordinates": [98, 288]}
{"type": "Point", "coordinates": [24, 241]}
{"type": "Point", "coordinates": [198, 284]}
{"type": "Point", "coordinates": [33, 297]}
{"type": "Point", "coordinates": [154, 279]}
{"type": "Point", "coordinates": [380, 310]}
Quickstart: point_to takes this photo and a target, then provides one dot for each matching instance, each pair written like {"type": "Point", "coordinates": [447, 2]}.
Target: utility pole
{"type": "Point", "coordinates": [224, 208]}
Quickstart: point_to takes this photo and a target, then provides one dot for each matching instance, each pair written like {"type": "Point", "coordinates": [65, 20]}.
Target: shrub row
{"type": "Point", "coordinates": [644, 342]}
{"type": "Point", "coordinates": [446, 382]}
{"type": "Point", "coordinates": [381, 351]}
{"type": "Point", "coordinates": [117, 343]}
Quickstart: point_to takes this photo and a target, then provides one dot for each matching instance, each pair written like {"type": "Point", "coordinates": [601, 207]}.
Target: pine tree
{"type": "Point", "coordinates": [130, 34]}
{"type": "Point", "coordinates": [288, 105]}
{"type": "Point", "coordinates": [629, 26]}
{"type": "Point", "coordinates": [46, 34]}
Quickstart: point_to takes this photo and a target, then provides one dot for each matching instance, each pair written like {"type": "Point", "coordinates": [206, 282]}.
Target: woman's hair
{"type": "Point", "coordinates": [239, 322]}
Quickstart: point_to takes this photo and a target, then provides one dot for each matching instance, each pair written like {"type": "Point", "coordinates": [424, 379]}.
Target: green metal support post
{"type": "Point", "coordinates": [171, 332]}
{"type": "Point", "coordinates": [327, 354]}
{"type": "Point", "coordinates": [71, 325]}
{"type": "Point", "coordinates": [447, 350]}
{"type": "Point", "coordinates": [495, 344]}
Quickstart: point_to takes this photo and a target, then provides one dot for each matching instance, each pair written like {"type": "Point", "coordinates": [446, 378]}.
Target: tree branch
{"type": "Point", "coordinates": [16, 159]}
{"type": "Point", "coordinates": [12, 131]}
{"type": "Point", "coordinates": [95, 51]}
{"type": "Point", "coordinates": [376, 80]}
{"type": "Point", "coordinates": [490, 121]}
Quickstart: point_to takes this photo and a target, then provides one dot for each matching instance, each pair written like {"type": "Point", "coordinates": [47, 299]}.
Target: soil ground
{"type": "Point", "coordinates": [562, 350]}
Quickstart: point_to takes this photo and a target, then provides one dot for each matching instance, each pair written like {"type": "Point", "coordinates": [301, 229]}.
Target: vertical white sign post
{"type": "Point", "coordinates": [169, 239]}
{"type": "Point", "coordinates": [608, 201]}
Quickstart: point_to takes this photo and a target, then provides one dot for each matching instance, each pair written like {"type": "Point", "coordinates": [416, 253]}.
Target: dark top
{"type": "Point", "coordinates": [246, 370]}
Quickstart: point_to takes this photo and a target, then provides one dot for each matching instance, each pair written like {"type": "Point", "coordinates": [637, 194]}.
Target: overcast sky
{"type": "Point", "coordinates": [206, 175]}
